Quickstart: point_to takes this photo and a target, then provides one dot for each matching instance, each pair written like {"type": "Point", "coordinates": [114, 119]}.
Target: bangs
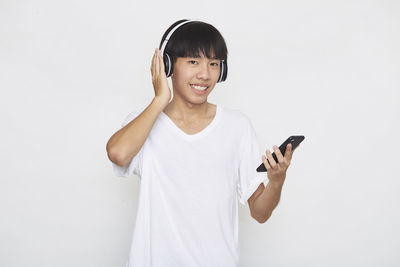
{"type": "Point", "coordinates": [196, 38]}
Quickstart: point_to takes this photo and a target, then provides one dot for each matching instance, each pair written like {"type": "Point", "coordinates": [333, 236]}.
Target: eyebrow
{"type": "Point", "coordinates": [214, 57]}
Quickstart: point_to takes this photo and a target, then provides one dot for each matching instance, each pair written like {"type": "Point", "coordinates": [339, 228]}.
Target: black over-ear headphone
{"type": "Point", "coordinates": [168, 64]}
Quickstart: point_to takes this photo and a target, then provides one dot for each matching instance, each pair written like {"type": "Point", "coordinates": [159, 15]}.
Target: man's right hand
{"type": "Point", "coordinates": [159, 78]}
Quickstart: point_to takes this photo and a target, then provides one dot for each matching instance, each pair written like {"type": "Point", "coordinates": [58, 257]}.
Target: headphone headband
{"type": "Point", "coordinates": [170, 33]}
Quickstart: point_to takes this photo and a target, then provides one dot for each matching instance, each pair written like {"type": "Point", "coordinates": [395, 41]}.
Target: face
{"type": "Point", "coordinates": [194, 78]}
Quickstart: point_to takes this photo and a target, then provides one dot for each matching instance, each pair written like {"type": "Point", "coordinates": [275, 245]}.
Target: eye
{"type": "Point", "coordinates": [214, 64]}
{"type": "Point", "coordinates": [192, 61]}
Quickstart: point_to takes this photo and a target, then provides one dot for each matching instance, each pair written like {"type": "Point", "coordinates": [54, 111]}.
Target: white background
{"type": "Point", "coordinates": [71, 71]}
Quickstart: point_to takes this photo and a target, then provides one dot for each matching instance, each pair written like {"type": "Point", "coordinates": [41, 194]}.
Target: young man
{"type": "Point", "coordinates": [195, 159]}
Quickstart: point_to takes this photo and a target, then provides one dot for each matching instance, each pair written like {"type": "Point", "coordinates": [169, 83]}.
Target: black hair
{"type": "Point", "coordinates": [193, 38]}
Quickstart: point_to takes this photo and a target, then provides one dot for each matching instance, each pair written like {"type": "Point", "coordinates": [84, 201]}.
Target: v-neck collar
{"type": "Point", "coordinates": [192, 137]}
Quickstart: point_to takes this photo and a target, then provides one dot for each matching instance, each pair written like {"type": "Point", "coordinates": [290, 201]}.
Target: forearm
{"type": "Point", "coordinates": [267, 201]}
{"type": "Point", "coordinates": [126, 143]}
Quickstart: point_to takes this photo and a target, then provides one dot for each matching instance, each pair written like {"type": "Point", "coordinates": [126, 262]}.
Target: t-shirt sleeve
{"type": "Point", "coordinates": [135, 166]}
{"type": "Point", "coordinates": [250, 159]}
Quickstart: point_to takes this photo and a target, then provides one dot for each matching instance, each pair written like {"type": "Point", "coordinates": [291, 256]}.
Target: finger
{"type": "Point", "coordinates": [278, 154]}
{"type": "Point", "coordinates": [153, 63]}
{"type": "Point", "coordinates": [289, 152]}
{"type": "Point", "coordinates": [271, 159]}
{"type": "Point", "coordinates": [157, 68]}
{"type": "Point", "coordinates": [266, 164]}
{"type": "Point", "coordinates": [162, 68]}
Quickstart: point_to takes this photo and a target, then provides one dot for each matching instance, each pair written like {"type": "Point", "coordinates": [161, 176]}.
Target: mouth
{"type": "Point", "coordinates": [200, 87]}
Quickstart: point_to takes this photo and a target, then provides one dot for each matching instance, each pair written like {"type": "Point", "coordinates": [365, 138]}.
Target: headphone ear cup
{"type": "Point", "coordinates": [223, 73]}
{"type": "Point", "coordinates": [167, 64]}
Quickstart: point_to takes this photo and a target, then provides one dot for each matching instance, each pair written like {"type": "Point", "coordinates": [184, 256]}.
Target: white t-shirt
{"type": "Point", "coordinates": [187, 213]}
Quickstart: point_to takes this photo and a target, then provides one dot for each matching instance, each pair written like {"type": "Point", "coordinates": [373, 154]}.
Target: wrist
{"type": "Point", "coordinates": [276, 185]}
{"type": "Point", "coordinates": [159, 103]}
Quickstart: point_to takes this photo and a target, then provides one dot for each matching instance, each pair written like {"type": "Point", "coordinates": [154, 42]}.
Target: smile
{"type": "Point", "coordinates": [198, 87]}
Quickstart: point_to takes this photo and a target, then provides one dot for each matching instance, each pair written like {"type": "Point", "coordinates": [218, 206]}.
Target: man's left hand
{"type": "Point", "coordinates": [277, 170]}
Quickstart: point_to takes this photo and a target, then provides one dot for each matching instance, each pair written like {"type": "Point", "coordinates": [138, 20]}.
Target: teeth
{"type": "Point", "coordinates": [199, 87]}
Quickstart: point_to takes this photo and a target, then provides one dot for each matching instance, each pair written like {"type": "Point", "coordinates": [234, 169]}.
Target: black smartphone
{"type": "Point", "coordinates": [295, 140]}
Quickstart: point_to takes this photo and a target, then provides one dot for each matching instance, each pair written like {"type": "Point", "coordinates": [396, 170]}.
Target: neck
{"type": "Point", "coordinates": [187, 111]}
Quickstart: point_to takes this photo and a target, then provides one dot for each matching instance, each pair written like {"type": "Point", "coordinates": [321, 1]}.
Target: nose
{"type": "Point", "coordinates": [204, 71]}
